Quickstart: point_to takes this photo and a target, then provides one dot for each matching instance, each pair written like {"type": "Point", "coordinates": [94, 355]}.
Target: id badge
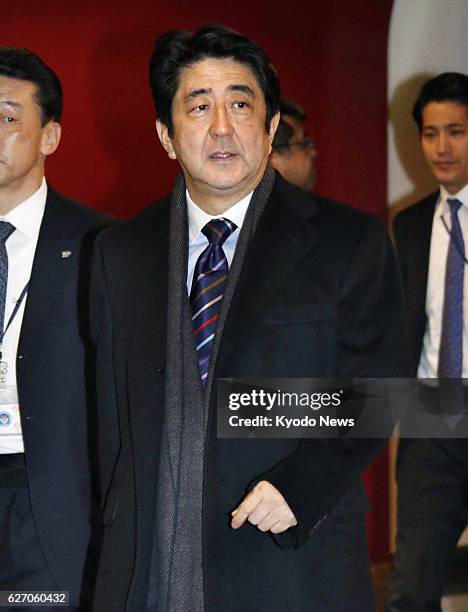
{"type": "Point", "coordinates": [10, 422]}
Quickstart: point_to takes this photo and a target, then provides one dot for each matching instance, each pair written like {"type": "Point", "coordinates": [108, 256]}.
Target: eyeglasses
{"type": "Point", "coordinates": [308, 144]}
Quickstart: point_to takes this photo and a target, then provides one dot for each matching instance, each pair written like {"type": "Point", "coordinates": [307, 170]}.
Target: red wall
{"type": "Point", "coordinates": [331, 57]}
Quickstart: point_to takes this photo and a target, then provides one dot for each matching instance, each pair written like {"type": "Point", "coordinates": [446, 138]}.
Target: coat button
{"type": "Point", "coordinates": [161, 370]}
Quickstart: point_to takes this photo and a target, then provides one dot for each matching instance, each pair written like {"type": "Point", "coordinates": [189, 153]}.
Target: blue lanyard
{"type": "Point", "coordinates": [454, 240]}
{"type": "Point", "coordinates": [19, 301]}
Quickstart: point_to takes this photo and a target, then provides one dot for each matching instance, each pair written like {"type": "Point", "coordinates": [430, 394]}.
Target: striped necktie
{"type": "Point", "coordinates": [209, 279]}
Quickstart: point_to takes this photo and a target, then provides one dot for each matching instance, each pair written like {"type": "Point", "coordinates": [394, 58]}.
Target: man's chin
{"type": "Point", "coordinates": [451, 183]}
{"type": "Point", "coordinates": [227, 183]}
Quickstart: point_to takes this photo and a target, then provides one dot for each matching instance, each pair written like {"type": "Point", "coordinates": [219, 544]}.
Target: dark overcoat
{"type": "Point", "coordinates": [318, 296]}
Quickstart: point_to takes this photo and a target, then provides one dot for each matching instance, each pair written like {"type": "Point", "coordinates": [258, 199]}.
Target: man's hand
{"type": "Point", "coordinates": [264, 507]}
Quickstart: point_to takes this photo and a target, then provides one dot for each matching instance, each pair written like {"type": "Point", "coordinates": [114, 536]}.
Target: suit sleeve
{"type": "Point", "coordinates": [371, 344]}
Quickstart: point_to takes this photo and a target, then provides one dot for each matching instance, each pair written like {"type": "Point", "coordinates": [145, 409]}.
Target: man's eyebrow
{"type": "Point", "coordinates": [243, 88]}
{"type": "Point", "coordinates": [445, 126]}
{"type": "Point", "coordinates": [10, 103]}
{"type": "Point", "coordinates": [197, 92]}
{"type": "Point", "coordinates": [208, 90]}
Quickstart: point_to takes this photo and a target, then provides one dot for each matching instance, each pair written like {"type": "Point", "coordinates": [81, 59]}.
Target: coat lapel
{"type": "Point", "coordinates": [284, 236]}
{"type": "Point", "coordinates": [53, 267]}
{"type": "Point", "coordinates": [420, 247]}
{"type": "Point", "coordinates": [148, 279]}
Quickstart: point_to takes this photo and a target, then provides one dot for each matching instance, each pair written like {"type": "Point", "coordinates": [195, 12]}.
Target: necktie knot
{"type": "Point", "coordinates": [6, 229]}
{"type": "Point", "coordinates": [454, 204]}
{"type": "Point", "coordinates": [218, 230]}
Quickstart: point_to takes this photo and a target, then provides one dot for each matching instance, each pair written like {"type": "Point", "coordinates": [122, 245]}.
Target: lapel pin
{"type": "Point", "coordinates": [66, 254]}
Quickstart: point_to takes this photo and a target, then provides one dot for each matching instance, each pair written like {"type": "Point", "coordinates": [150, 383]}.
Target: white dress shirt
{"type": "Point", "coordinates": [20, 246]}
{"type": "Point", "coordinates": [440, 240]}
{"type": "Point", "coordinates": [197, 219]}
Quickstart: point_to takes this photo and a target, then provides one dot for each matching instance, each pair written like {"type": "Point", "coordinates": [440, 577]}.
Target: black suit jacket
{"type": "Point", "coordinates": [318, 297]}
{"type": "Point", "coordinates": [412, 229]}
{"type": "Point", "coordinates": [55, 380]}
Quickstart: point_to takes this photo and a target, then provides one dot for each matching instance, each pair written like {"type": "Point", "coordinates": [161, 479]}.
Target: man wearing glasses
{"type": "Point", "coordinates": [294, 152]}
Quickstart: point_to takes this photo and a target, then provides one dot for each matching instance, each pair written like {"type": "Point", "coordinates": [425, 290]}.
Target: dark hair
{"type": "Point", "coordinates": [284, 131]}
{"type": "Point", "coordinates": [27, 66]}
{"type": "Point", "coordinates": [174, 51]}
{"type": "Point", "coordinates": [446, 87]}
{"type": "Point", "coordinates": [283, 135]}
{"type": "Point", "coordinates": [293, 109]}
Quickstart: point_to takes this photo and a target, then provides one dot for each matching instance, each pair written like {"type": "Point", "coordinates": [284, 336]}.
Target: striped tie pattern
{"type": "Point", "coordinates": [209, 279]}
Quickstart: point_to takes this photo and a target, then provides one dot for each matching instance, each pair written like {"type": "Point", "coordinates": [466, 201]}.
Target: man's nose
{"type": "Point", "coordinates": [221, 124]}
{"type": "Point", "coordinates": [443, 143]}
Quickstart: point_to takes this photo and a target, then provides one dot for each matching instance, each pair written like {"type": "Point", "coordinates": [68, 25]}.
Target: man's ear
{"type": "Point", "coordinates": [273, 127]}
{"type": "Point", "coordinates": [166, 141]}
{"type": "Point", "coordinates": [51, 134]}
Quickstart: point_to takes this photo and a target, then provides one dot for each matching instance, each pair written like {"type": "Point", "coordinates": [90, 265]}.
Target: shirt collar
{"type": "Point", "coordinates": [27, 216]}
{"type": "Point", "coordinates": [461, 195]}
{"type": "Point", "coordinates": [198, 218]}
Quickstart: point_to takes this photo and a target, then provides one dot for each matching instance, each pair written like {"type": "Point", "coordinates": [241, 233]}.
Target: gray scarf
{"type": "Point", "coordinates": [176, 576]}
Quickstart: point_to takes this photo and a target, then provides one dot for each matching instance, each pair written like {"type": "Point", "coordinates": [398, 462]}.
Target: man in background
{"type": "Point", "coordinates": [431, 239]}
{"type": "Point", "coordinates": [46, 488]}
{"type": "Point", "coordinates": [293, 153]}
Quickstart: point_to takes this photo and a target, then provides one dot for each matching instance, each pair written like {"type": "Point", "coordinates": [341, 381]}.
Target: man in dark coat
{"type": "Point", "coordinates": [47, 510]}
{"type": "Point", "coordinates": [432, 471]}
{"type": "Point", "coordinates": [308, 288]}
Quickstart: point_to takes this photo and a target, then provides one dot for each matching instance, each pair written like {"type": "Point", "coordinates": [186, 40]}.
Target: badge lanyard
{"type": "Point", "coordinates": [454, 240]}
{"type": "Point", "coordinates": [19, 301]}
